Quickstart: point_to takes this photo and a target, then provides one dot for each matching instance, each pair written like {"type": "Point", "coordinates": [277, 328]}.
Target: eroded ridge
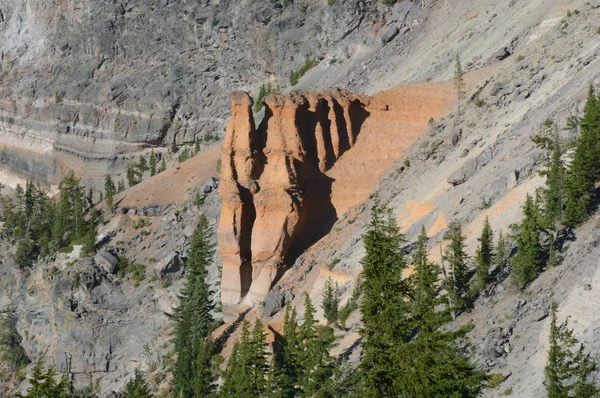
{"type": "Point", "coordinates": [273, 183]}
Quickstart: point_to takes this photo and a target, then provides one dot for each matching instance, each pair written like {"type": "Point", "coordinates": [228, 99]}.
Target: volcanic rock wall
{"type": "Point", "coordinates": [273, 183]}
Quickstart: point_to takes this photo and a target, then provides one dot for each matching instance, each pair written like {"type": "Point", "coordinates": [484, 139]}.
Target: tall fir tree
{"type": "Point", "coordinates": [315, 362]}
{"type": "Point", "coordinates": [193, 318]}
{"type": "Point", "coordinates": [153, 163]}
{"type": "Point", "coordinates": [567, 373]}
{"type": "Point", "coordinates": [425, 276]}
{"type": "Point", "coordinates": [247, 368]}
{"type": "Point", "coordinates": [484, 256]}
{"type": "Point", "coordinates": [109, 189]}
{"type": "Point", "coordinates": [502, 258]}
{"type": "Point", "coordinates": [331, 301]}
{"type": "Point", "coordinates": [459, 82]}
{"type": "Point", "coordinates": [554, 193]}
{"type": "Point", "coordinates": [433, 364]}
{"type": "Point", "coordinates": [585, 166]}
{"type": "Point", "coordinates": [286, 369]}
{"type": "Point", "coordinates": [137, 387]}
{"type": "Point", "coordinates": [455, 261]}
{"type": "Point", "coordinates": [528, 260]}
{"type": "Point", "coordinates": [385, 307]}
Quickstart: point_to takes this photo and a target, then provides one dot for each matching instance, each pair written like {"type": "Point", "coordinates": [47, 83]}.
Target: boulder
{"type": "Point", "coordinates": [463, 173]}
{"type": "Point", "coordinates": [107, 261]}
{"type": "Point", "coordinates": [274, 302]}
{"type": "Point", "coordinates": [169, 267]}
{"type": "Point", "coordinates": [389, 35]}
{"type": "Point", "coordinates": [501, 54]}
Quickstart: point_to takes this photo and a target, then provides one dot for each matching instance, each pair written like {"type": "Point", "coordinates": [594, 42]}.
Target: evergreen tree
{"type": "Point", "coordinates": [455, 258]}
{"type": "Point", "coordinates": [11, 351]}
{"type": "Point", "coordinates": [424, 277]}
{"type": "Point", "coordinates": [527, 263]}
{"type": "Point", "coordinates": [316, 364]}
{"type": "Point", "coordinates": [554, 194]}
{"type": "Point", "coordinates": [109, 189]}
{"type": "Point", "coordinates": [193, 318]}
{"type": "Point", "coordinates": [132, 174]}
{"type": "Point", "coordinates": [121, 186]}
{"type": "Point", "coordinates": [433, 364]}
{"type": "Point", "coordinates": [385, 306]}
{"type": "Point", "coordinates": [566, 371]}
{"type": "Point", "coordinates": [331, 301]}
{"type": "Point", "coordinates": [24, 253]}
{"type": "Point", "coordinates": [90, 197]}
{"type": "Point", "coordinates": [44, 385]}
{"type": "Point", "coordinates": [286, 362]}
{"type": "Point", "coordinates": [502, 258]}
{"type": "Point", "coordinates": [246, 374]}
{"type": "Point", "coordinates": [153, 163]}
{"type": "Point", "coordinates": [163, 165]}
{"type": "Point", "coordinates": [136, 387]}
{"type": "Point", "coordinates": [196, 146]}
{"type": "Point", "coordinates": [584, 168]}
{"type": "Point", "coordinates": [459, 82]}
{"type": "Point", "coordinates": [142, 165]}
{"type": "Point", "coordinates": [484, 256]}
{"type": "Point", "coordinates": [205, 373]}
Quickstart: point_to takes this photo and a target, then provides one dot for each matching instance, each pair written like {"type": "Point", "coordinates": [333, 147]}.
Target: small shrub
{"type": "Point", "coordinates": [262, 93]}
{"type": "Point", "coordinates": [333, 263]}
{"type": "Point", "coordinates": [520, 57]}
{"type": "Point", "coordinates": [569, 13]}
{"type": "Point", "coordinates": [407, 163]}
{"type": "Point", "coordinates": [478, 102]}
{"type": "Point", "coordinates": [140, 223]}
{"type": "Point", "coordinates": [508, 391]}
{"type": "Point", "coordinates": [494, 380]}
{"type": "Point", "coordinates": [295, 75]}
{"type": "Point", "coordinates": [331, 2]}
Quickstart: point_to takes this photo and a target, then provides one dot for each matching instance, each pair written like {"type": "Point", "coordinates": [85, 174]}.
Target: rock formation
{"type": "Point", "coordinates": [273, 183]}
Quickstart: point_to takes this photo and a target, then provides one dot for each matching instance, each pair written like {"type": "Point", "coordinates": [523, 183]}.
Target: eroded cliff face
{"type": "Point", "coordinates": [96, 82]}
{"type": "Point", "coordinates": [276, 195]}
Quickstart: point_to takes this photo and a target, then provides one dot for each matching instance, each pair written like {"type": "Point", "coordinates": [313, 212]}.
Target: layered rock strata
{"type": "Point", "coordinates": [273, 183]}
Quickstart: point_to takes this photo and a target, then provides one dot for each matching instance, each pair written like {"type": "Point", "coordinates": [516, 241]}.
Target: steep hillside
{"type": "Point", "coordinates": [88, 85]}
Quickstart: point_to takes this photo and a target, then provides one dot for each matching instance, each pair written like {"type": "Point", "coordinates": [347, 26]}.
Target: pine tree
{"type": "Point", "coordinates": [286, 362]}
{"type": "Point", "coordinates": [11, 351]}
{"type": "Point", "coordinates": [584, 168]}
{"type": "Point", "coordinates": [316, 364]}
{"type": "Point", "coordinates": [246, 374]}
{"type": "Point", "coordinates": [331, 301]}
{"type": "Point", "coordinates": [44, 385]}
{"type": "Point", "coordinates": [193, 318]}
{"type": "Point", "coordinates": [109, 189]}
{"type": "Point", "coordinates": [205, 372]}
{"type": "Point", "coordinates": [196, 146]}
{"type": "Point", "coordinates": [136, 387]}
{"type": "Point", "coordinates": [131, 172]}
{"type": "Point", "coordinates": [554, 194]}
{"type": "Point", "coordinates": [424, 277]}
{"type": "Point", "coordinates": [121, 186]}
{"type": "Point", "coordinates": [433, 362]}
{"type": "Point", "coordinates": [455, 258]}
{"type": "Point", "coordinates": [163, 165]}
{"type": "Point", "coordinates": [385, 307]}
{"type": "Point", "coordinates": [153, 163]}
{"type": "Point", "coordinates": [566, 371]}
{"type": "Point", "coordinates": [484, 256]}
{"type": "Point", "coordinates": [502, 258]}
{"type": "Point", "coordinates": [527, 262]}
{"type": "Point", "coordinates": [459, 82]}
{"type": "Point", "coordinates": [142, 166]}
{"type": "Point", "coordinates": [24, 253]}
